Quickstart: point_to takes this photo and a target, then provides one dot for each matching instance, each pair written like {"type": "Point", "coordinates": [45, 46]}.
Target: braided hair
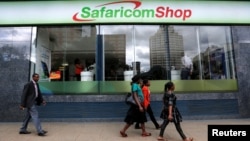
{"type": "Point", "coordinates": [168, 86]}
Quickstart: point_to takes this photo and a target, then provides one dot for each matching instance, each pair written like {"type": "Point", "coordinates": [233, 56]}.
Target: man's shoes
{"type": "Point", "coordinates": [42, 133]}
{"type": "Point", "coordinates": [24, 132]}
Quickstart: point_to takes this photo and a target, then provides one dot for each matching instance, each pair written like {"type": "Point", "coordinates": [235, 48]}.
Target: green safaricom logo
{"type": "Point", "coordinates": [102, 11]}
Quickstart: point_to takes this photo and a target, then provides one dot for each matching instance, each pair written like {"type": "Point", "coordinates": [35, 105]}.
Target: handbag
{"type": "Point", "coordinates": [129, 99]}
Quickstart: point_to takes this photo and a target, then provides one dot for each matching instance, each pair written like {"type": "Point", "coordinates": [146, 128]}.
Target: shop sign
{"type": "Point", "coordinates": [124, 11]}
{"type": "Point", "coordinates": [106, 11]}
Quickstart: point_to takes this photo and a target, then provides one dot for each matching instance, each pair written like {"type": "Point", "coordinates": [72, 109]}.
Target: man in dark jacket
{"type": "Point", "coordinates": [31, 97]}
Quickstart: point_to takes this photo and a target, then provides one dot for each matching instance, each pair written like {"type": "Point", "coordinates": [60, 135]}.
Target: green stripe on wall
{"type": "Point", "coordinates": [116, 87]}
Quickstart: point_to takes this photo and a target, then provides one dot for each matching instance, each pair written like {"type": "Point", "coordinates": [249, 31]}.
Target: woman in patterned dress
{"type": "Point", "coordinates": [170, 112]}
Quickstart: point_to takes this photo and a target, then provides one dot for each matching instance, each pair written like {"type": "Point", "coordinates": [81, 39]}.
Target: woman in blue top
{"type": "Point", "coordinates": [136, 112]}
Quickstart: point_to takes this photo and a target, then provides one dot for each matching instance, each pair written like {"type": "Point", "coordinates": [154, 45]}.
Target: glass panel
{"type": "Point", "coordinates": [60, 48]}
{"type": "Point", "coordinates": [116, 40]}
{"type": "Point", "coordinates": [184, 52]}
{"type": "Point", "coordinates": [153, 43]}
{"type": "Point", "coordinates": [159, 54]}
{"type": "Point", "coordinates": [209, 49]}
{"type": "Point", "coordinates": [217, 52]}
{"type": "Point", "coordinates": [127, 51]}
{"type": "Point", "coordinates": [15, 43]}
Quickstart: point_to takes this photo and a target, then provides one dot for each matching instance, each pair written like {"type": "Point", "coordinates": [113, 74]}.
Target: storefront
{"type": "Point", "coordinates": [115, 40]}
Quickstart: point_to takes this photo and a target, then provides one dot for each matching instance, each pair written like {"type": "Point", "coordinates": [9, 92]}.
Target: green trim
{"type": "Point", "coordinates": [116, 87]}
{"type": "Point", "coordinates": [205, 85]}
{"type": "Point", "coordinates": [72, 87]}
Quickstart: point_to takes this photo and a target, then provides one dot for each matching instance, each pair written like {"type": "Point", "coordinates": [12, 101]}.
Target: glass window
{"type": "Point", "coordinates": [14, 44]}
{"type": "Point", "coordinates": [134, 49]}
{"type": "Point", "coordinates": [208, 47]}
{"type": "Point", "coordinates": [63, 52]}
{"type": "Point", "coordinates": [108, 56]}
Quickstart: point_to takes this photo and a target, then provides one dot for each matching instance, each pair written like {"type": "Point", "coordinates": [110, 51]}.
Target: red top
{"type": "Point", "coordinates": [78, 69]}
{"type": "Point", "coordinates": [146, 94]}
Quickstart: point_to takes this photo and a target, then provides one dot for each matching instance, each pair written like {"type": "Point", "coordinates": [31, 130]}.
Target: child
{"type": "Point", "coordinates": [147, 106]}
{"type": "Point", "coordinates": [170, 112]}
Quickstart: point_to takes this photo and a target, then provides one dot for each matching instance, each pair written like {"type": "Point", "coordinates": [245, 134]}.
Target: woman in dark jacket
{"type": "Point", "coordinates": [170, 112]}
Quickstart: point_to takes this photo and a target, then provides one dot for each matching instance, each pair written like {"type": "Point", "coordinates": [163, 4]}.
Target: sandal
{"type": "Point", "coordinates": [123, 134]}
{"type": "Point", "coordinates": [161, 139]}
{"type": "Point", "coordinates": [146, 134]}
{"type": "Point", "coordinates": [189, 139]}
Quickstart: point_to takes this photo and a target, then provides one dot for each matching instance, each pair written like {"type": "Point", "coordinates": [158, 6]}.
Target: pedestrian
{"type": "Point", "coordinates": [31, 97]}
{"type": "Point", "coordinates": [170, 112]}
{"type": "Point", "coordinates": [146, 94]}
{"type": "Point", "coordinates": [136, 112]}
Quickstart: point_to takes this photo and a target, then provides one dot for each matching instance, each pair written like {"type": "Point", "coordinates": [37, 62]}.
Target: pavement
{"type": "Point", "coordinates": [109, 131]}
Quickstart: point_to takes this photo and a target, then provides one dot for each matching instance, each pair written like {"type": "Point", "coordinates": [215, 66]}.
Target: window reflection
{"type": "Point", "coordinates": [128, 52]}
{"type": "Point", "coordinates": [59, 46]}
{"type": "Point", "coordinates": [115, 42]}
{"type": "Point", "coordinates": [154, 51]}
{"type": "Point", "coordinates": [210, 48]}
{"type": "Point", "coordinates": [14, 44]}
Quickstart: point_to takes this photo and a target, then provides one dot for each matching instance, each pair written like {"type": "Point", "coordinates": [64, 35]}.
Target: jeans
{"type": "Point", "coordinates": [32, 113]}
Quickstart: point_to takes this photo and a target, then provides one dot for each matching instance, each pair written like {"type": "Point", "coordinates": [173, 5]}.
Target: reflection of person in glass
{"type": "Point", "coordinates": [78, 69]}
{"type": "Point", "coordinates": [187, 67]}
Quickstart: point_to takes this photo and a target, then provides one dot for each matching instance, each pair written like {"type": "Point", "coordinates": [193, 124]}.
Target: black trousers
{"type": "Point", "coordinates": [185, 73]}
{"type": "Point", "coordinates": [78, 77]}
{"type": "Point", "coordinates": [152, 117]}
{"type": "Point", "coordinates": [177, 126]}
